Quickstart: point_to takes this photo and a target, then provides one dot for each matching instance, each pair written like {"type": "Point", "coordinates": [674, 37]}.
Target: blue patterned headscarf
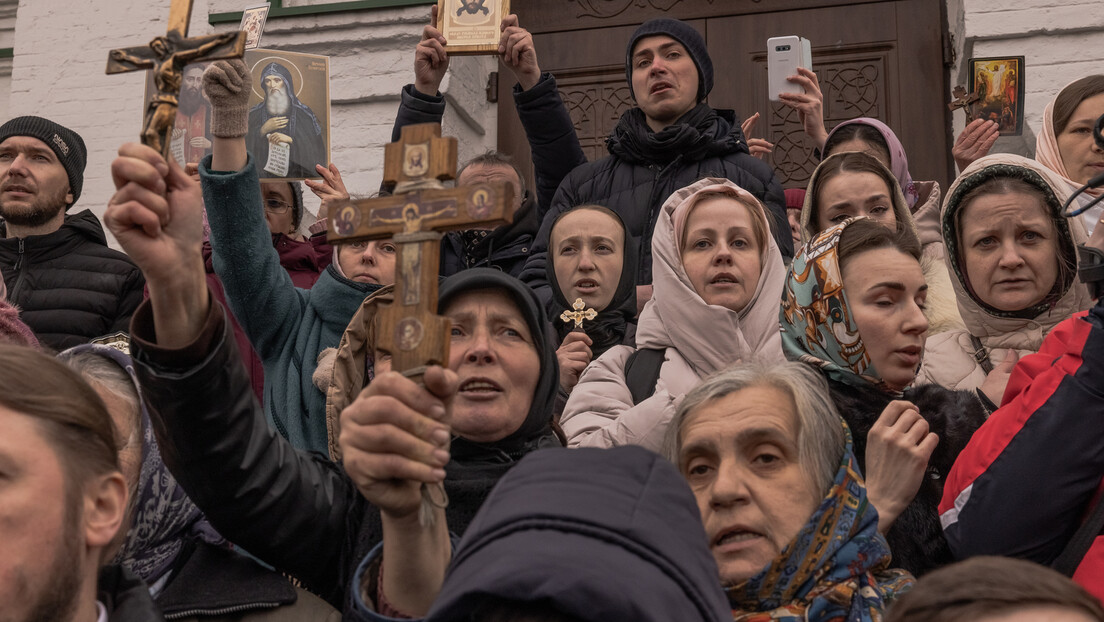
{"type": "Point", "coordinates": [162, 516]}
{"type": "Point", "coordinates": [835, 569]}
{"type": "Point", "coordinates": [816, 320]}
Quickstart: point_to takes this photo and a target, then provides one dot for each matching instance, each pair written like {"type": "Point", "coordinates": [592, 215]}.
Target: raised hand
{"type": "Point", "coordinates": [430, 59]}
{"type": "Point", "coordinates": [574, 355]}
{"type": "Point", "coordinates": [974, 142]}
{"type": "Point", "coordinates": [517, 52]}
{"type": "Point", "coordinates": [331, 189]}
{"type": "Point", "coordinates": [997, 380]}
{"type": "Point", "coordinates": [898, 448]}
{"type": "Point", "coordinates": [227, 84]}
{"type": "Point", "coordinates": [393, 438]}
{"type": "Point", "coordinates": [759, 147]}
{"type": "Point", "coordinates": [809, 106]}
{"type": "Point", "coordinates": [156, 215]}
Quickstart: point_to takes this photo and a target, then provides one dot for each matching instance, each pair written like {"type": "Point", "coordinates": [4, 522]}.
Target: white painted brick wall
{"type": "Point", "coordinates": [1060, 40]}
{"type": "Point", "coordinates": [61, 51]}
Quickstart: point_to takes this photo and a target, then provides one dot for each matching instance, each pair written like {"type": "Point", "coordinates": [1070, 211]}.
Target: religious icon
{"type": "Point", "coordinates": [409, 333]}
{"type": "Point", "coordinates": [415, 160]}
{"type": "Point", "coordinates": [190, 140]}
{"type": "Point", "coordinates": [347, 219]}
{"type": "Point", "coordinates": [471, 26]}
{"type": "Point", "coordinates": [966, 101]}
{"type": "Point", "coordinates": [998, 84]}
{"type": "Point", "coordinates": [480, 203]}
{"type": "Point", "coordinates": [289, 118]}
{"type": "Point", "coordinates": [252, 24]}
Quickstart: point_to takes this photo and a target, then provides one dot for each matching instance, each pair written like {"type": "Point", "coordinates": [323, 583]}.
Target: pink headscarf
{"type": "Point", "coordinates": [898, 161]}
{"type": "Point", "coordinates": [1047, 153]}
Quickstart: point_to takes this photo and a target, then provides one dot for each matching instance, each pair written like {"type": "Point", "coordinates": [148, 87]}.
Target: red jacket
{"type": "Point", "coordinates": [304, 262]}
{"type": "Point", "coordinates": [1032, 472]}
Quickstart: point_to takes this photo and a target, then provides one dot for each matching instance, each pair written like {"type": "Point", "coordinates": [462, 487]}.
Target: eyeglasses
{"type": "Point", "coordinates": [276, 206]}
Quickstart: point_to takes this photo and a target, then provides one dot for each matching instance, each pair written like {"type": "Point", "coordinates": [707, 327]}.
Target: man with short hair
{"type": "Point", "coordinates": [57, 267]}
{"type": "Point", "coordinates": [281, 119]}
{"type": "Point", "coordinates": [671, 139]}
{"type": "Point", "coordinates": [62, 499]}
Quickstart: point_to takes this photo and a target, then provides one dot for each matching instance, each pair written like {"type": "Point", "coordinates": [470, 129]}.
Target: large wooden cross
{"type": "Point", "coordinates": [167, 56]}
{"type": "Point", "coordinates": [409, 329]}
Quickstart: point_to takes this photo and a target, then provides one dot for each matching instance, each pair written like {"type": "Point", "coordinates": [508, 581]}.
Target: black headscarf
{"type": "Point", "coordinates": [536, 430]}
{"type": "Point", "coordinates": [609, 327]}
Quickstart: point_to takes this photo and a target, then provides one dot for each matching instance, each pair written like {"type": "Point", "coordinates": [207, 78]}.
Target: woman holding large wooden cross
{"type": "Point", "coordinates": [309, 518]}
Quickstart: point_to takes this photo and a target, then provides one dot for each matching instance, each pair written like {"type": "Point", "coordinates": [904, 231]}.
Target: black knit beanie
{"type": "Point", "coordinates": [689, 38]}
{"type": "Point", "coordinates": [66, 144]}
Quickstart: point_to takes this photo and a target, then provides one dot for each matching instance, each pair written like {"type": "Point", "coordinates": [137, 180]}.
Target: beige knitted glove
{"type": "Point", "coordinates": [227, 84]}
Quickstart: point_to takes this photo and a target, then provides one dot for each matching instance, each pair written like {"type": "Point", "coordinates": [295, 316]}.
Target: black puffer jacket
{"type": "Point", "coordinates": [69, 284]}
{"type": "Point", "coordinates": [644, 168]}
{"type": "Point", "coordinates": [916, 538]}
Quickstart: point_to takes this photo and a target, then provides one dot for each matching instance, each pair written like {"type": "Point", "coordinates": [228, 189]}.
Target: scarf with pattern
{"type": "Point", "coordinates": [817, 325]}
{"type": "Point", "coordinates": [835, 569]}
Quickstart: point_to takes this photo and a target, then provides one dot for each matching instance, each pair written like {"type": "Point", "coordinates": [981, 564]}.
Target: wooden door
{"type": "Point", "coordinates": [881, 58]}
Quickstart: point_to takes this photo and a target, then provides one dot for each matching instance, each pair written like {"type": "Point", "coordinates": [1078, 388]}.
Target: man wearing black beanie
{"type": "Point", "coordinates": [57, 267]}
{"type": "Point", "coordinates": [671, 139]}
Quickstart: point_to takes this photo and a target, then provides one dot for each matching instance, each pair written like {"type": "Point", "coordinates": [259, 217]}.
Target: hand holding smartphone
{"type": "Point", "coordinates": [784, 56]}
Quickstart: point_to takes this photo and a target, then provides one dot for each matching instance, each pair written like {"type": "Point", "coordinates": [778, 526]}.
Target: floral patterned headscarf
{"type": "Point", "coordinates": [836, 568]}
{"type": "Point", "coordinates": [817, 325]}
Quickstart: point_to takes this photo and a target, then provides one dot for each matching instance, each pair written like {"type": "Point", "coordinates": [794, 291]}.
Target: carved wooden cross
{"type": "Point", "coordinates": [578, 315]}
{"type": "Point", "coordinates": [964, 100]}
{"type": "Point", "coordinates": [409, 329]}
{"type": "Point", "coordinates": [167, 56]}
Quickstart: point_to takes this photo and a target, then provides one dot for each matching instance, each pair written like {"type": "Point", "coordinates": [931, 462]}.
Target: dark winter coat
{"type": "Point", "coordinates": [69, 284]}
{"type": "Point", "coordinates": [644, 168]}
{"type": "Point", "coordinates": [555, 151]}
{"type": "Point", "coordinates": [916, 538]}
{"type": "Point", "coordinates": [295, 510]}
{"type": "Point", "coordinates": [125, 597]}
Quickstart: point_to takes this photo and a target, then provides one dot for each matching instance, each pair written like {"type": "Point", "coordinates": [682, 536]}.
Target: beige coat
{"type": "Point", "coordinates": [949, 357]}
{"type": "Point", "coordinates": [942, 313]}
{"type": "Point", "coordinates": [698, 340]}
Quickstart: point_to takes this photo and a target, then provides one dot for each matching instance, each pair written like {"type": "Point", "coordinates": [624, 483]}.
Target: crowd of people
{"type": "Point", "coordinates": [868, 399]}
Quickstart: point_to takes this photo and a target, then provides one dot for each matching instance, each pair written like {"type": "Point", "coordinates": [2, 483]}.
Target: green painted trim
{"type": "Point", "coordinates": [278, 10]}
{"type": "Point", "coordinates": [7, 52]}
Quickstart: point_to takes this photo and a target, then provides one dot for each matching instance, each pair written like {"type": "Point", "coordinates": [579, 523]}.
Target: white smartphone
{"type": "Point", "coordinates": [784, 56]}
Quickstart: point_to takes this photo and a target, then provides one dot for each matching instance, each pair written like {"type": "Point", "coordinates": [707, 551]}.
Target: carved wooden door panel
{"type": "Point", "coordinates": [881, 59]}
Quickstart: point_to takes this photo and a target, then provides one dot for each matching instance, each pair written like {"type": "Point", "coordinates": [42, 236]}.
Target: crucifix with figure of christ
{"type": "Point", "coordinates": [166, 56]}
{"type": "Point", "coordinates": [409, 329]}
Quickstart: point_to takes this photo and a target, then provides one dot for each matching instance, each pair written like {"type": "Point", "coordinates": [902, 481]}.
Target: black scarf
{"type": "Point", "coordinates": [608, 329]}
{"type": "Point", "coordinates": [701, 133]}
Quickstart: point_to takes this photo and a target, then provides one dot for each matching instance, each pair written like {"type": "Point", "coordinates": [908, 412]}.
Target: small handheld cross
{"type": "Point", "coordinates": [409, 329]}
{"type": "Point", "coordinates": [167, 56]}
{"type": "Point", "coordinates": [578, 315]}
{"type": "Point", "coordinates": [964, 100]}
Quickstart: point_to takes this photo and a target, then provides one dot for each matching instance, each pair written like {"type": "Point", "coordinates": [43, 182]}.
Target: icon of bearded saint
{"type": "Point", "coordinates": [282, 118]}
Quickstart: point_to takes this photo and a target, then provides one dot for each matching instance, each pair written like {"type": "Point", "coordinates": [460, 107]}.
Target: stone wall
{"type": "Point", "coordinates": [1060, 40]}
{"type": "Point", "coordinates": [61, 49]}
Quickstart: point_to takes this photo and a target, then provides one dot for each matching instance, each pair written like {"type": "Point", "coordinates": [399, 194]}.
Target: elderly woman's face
{"type": "Point", "coordinates": [1080, 155]}
{"type": "Point", "coordinates": [588, 249]}
{"type": "Point", "coordinates": [1009, 250]}
{"type": "Point", "coordinates": [739, 453]}
{"type": "Point", "coordinates": [886, 295]}
{"type": "Point", "coordinates": [493, 352]}
{"type": "Point", "coordinates": [721, 254]}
